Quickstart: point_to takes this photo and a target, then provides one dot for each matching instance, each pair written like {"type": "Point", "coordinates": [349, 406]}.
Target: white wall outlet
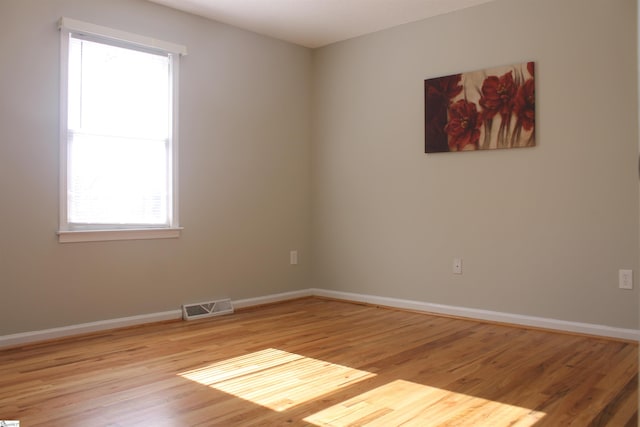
{"type": "Point", "coordinates": [457, 266]}
{"type": "Point", "coordinates": [625, 279]}
{"type": "Point", "coordinates": [293, 257]}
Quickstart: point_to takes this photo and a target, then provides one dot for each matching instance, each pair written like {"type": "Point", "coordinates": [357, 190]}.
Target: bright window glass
{"type": "Point", "coordinates": [119, 122]}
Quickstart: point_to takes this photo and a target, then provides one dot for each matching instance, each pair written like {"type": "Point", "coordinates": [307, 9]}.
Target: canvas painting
{"type": "Point", "coordinates": [481, 110]}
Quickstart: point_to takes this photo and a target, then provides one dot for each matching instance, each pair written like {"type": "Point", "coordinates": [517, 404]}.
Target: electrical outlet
{"type": "Point", "coordinates": [293, 257]}
{"type": "Point", "coordinates": [457, 266]}
{"type": "Point", "coordinates": [625, 279]}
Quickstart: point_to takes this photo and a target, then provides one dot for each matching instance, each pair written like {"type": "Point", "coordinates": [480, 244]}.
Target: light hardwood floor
{"type": "Point", "coordinates": [314, 362]}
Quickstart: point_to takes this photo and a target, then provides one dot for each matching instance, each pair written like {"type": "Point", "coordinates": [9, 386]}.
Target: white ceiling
{"type": "Point", "coordinates": [316, 23]}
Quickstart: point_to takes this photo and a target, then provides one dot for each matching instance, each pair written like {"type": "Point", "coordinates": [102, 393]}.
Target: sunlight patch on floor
{"type": "Point", "coordinates": [276, 379]}
{"type": "Point", "coordinates": [407, 403]}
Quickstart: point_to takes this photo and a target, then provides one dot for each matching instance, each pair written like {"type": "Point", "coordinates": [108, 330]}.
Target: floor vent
{"type": "Point", "coordinates": [207, 309]}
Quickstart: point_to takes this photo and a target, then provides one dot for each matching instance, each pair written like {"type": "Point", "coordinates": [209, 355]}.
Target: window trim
{"type": "Point", "coordinates": [74, 26]}
{"type": "Point", "coordinates": [66, 232]}
{"type": "Point", "coordinates": [119, 234]}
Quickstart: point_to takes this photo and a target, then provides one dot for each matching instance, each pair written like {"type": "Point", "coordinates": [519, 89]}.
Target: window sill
{"type": "Point", "coordinates": [108, 235]}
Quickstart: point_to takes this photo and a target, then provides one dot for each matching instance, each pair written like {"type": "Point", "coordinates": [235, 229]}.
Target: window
{"type": "Point", "coordinates": [118, 135]}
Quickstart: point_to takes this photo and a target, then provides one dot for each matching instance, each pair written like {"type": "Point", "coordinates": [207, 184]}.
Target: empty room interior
{"type": "Point", "coordinates": [363, 280]}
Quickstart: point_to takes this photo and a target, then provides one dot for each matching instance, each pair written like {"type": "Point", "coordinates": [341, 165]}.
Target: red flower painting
{"type": "Point", "coordinates": [439, 94]}
{"type": "Point", "coordinates": [525, 104]}
{"type": "Point", "coordinates": [446, 87]}
{"type": "Point", "coordinates": [486, 109]}
{"type": "Point", "coordinates": [498, 94]}
{"type": "Point", "coordinates": [463, 127]}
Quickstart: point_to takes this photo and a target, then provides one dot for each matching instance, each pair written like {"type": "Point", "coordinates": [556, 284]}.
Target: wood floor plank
{"type": "Point", "coordinates": [316, 362]}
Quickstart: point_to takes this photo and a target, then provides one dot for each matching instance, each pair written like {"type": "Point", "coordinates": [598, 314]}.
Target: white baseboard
{"type": "Point", "coordinates": [83, 328]}
{"type": "Point", "coordinates": [269, 299]}
{"type": "Point", "coordinates": [486, 315]}
{"type": "Point", "coordinates": [102, 325]}
{"type": "Point", "coordinates": [470, 313]}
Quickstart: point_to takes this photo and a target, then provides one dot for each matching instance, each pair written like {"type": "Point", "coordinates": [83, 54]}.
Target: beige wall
{"type": "Point", "coordinates": [541, 231]}
{"type": "Point", "coordinates": [244, 172]}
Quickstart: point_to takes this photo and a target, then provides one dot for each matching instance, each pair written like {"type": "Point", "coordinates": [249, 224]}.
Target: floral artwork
{"type": "Point", "coordinates": [481, 110]}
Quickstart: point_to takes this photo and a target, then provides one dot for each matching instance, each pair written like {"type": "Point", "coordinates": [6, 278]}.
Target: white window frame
{"type": "Point", "coordinates": [68, 233]}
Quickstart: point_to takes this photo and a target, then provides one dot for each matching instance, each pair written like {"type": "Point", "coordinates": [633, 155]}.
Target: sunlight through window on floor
{"type": "Point", "coordinates": [407, 403]}
{"type": "Point", "coordinates": [276, 379]}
